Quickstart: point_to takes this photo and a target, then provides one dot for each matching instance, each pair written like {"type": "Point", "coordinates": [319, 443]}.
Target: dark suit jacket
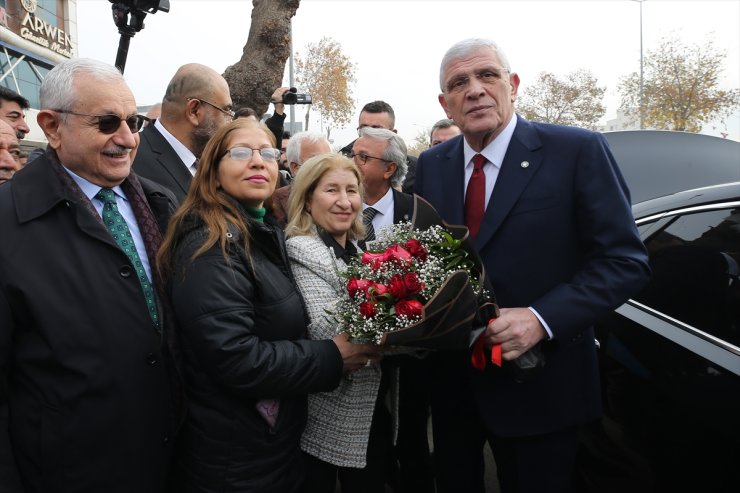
{"type": "Point", "coordinates": [558, 235]}
{"type": "Point", "coordinates": [403, 206]}
{"type": "Point", "coordinates": [158, 161]}
{"type": "Point", "coordinates": [84, 388]}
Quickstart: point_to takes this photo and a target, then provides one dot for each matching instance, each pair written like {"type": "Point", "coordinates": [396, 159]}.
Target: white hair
{"type": "Point", "coordinates": [293, 149]}
{"type": "Point", "coordinates": [58, 91]}
{"type": "Point", "coordinates": [396, 151]}
{"type": "Point", "coordinates": [466, 47]}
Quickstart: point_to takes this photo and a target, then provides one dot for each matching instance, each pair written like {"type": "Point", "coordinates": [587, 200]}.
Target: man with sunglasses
{"type": "Point", "coordinates": [197, 102]}
{"type": "Point", "coordinates": [87, 392]}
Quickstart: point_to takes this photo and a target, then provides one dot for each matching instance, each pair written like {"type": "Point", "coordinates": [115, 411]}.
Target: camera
{"type": "Point", "coordinates": [291, 96]}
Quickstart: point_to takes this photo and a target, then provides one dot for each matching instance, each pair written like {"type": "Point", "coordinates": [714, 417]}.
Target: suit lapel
{"type": "Point", "coordinates": [402, 206]}
{"type": "Point", "coordinates": [168, 158]}
{"type": "Point", "coordinates": [452, 171]}
{"type": "Point", "coordinates": [522, 160]}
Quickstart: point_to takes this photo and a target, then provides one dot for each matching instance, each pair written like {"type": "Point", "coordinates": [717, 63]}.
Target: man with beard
{"type": "Point", "coordinates": [196, 104]}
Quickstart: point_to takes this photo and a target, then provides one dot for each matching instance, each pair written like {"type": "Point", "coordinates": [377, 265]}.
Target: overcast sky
{"type": "Point", "coordinates": [397, 44]}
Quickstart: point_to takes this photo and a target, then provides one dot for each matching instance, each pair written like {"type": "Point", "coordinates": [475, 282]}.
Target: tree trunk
{"type": "Point", "coordinates": [308, 112]}
{"type": "Point", "coordinates": [254, 78]}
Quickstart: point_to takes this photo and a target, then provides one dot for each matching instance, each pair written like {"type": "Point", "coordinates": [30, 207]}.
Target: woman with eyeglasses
{"type": "Point", "coordinates": [349, 432]}
{"type": "Point", "coordinates": [242, 325]}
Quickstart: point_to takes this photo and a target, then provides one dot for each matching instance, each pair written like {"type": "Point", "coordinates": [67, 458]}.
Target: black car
{"type": "Point", "coordinates": [670, 357]}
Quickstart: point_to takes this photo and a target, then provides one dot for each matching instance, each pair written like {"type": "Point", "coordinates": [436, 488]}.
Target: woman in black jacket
{"type": "Point", "coordinates": [242, 325]}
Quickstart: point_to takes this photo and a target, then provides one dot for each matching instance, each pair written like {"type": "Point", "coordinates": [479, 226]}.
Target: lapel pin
{"type": "Point", "coordinates": [525, 164]}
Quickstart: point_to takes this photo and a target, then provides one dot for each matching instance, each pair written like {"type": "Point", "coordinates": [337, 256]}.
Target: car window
{"type": "Point", "coordinates": [694, 259]}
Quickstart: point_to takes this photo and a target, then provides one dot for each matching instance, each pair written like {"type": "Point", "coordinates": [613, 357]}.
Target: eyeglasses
{"type": "Point", "coordinates": [362, 158]}
{"type": "Point", "coordinates": [245, 153]}
{"type": "Point", "coordinates": [109, 124]}
{"type": "Point", "coordinates": [226, 111]}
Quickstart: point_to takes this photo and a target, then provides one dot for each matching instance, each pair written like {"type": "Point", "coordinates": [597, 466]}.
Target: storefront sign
{"type": "Point", "coordinates": [39, 31]}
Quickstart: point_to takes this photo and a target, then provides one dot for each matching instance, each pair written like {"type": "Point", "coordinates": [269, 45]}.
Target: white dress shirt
{"type": "Point", "coordinates": [383, 220]}
{"type": "Point", "coordinates": [124, 207]}
{"type": "Point", "coordinates": [187, 157]}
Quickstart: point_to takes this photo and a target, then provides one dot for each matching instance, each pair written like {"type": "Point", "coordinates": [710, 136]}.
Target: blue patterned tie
{"type": "Point", "coordinates": [117, 227]}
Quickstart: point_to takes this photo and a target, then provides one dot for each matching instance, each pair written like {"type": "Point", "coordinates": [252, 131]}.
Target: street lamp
{"type": "Point", "coordinates": [642, 107]}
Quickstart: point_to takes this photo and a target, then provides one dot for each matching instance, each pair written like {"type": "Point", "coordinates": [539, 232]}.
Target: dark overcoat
{"type": "Point", "coordinates": [84, 389]}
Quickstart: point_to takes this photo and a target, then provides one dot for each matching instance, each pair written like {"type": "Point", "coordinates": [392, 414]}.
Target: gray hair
{"type": "Point", "coordinates": [58, 90]}
{"type": "Point", "coordinates": [396, 151]}
{"type": "Point", "coordinates": [293, 149]}
{"type": "Point", "coordinates": [464, 48]}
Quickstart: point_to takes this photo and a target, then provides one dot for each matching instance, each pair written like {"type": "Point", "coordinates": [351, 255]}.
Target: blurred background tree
{"type": "Point", "coordinates": [575, 99]}
{"type": "Point", "coordinates": [681, 87]}
{"type": "Point", "coordinates": [327, 74]}
{"type": "Point", "coordinates": [254, 78]}
{"type": "Point", "coordinates": [420, 143]}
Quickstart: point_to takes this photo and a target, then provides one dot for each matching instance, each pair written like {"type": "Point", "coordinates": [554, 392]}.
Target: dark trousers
{"type": "Point", "coordinates": [321, 476]}
{"type": "Point", "coordinates": [534, 464]}
{"type": "Point", "coordinates": [415, 471]}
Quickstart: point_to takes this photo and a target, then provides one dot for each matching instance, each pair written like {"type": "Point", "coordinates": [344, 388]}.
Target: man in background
{"type": "Point", "coordinates": [10, 152]}
{"type": "Point", "coordinates": [301, 147]}
{"type": "Point", "coordinates": [443, 131]}
{"type": "Point", "coordinates": [379, 114]}
{"type": "Point", "coordinates": [197, 102]}
{"type": "Point", "coordinates": [13, 108]}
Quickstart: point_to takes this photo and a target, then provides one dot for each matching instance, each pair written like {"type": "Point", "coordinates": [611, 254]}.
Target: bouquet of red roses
{"type": "Point", "coordinates": [418, 288]}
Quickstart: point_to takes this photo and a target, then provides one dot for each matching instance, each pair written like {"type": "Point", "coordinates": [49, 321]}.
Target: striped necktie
{"type": "Point", "coordinates": [367, 219]}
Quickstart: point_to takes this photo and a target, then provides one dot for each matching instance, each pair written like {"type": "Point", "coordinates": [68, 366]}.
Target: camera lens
{"type": "Point", "coordinates": [290, 98]}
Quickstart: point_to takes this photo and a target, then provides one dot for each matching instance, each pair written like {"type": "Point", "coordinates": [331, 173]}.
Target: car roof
{"type": "Point", "coordinates": [655, 163]}
{"type": "Point", "coordinates": [726, 192]}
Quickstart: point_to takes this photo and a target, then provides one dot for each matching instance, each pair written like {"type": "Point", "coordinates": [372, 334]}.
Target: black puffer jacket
{"type": "Point", "coordinates": [242, 327]}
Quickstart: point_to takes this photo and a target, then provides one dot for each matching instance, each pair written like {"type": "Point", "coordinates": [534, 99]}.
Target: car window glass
{"type": "Point", "coordinates": [694, 260]}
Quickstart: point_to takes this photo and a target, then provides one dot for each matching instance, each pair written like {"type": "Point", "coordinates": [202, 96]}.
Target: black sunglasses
{"type": "Point", "coordinates": [109, 124]}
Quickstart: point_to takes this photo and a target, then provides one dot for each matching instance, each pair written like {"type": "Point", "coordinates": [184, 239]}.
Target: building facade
{"type": "Point", "coordinates": [35, 35]}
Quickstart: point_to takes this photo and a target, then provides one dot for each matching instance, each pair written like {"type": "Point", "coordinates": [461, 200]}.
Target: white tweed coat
{"type": "Point", "coordinates": [338, 425]}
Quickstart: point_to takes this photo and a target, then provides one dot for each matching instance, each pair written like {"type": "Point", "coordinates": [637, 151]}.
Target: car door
{"type": "Point", "coordinates": [670, 363]}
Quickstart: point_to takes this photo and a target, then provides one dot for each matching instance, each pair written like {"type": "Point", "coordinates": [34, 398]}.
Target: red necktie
{"type": "Point", "coordinates": [475, 196]}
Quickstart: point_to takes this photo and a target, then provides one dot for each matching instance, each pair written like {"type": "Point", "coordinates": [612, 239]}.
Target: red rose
{"type": "Point", "coordinates": [397, 287]}
{"type": "Point", "coordinates": [416, 249]}
{"type": "Point", "coordinates": [354, 285]}
{"type": "Point", "coordinates": [398, 255]}
{"type": "Point", "coordinates": [409, 308]}
{"type": "Point", "coordinates": [367, 309]}
{"type": "Point", "coordinates": [413, 283]}
{"type": "Point", "coordinates": [376, 290]}
{"type": "Point", "coordinates": [374, 259]}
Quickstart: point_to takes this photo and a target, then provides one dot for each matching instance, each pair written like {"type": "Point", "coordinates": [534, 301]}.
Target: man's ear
{"type": "Point", "coordinates": [390, 170]}
{"type": "Point", "coordinates": [294, 167]}
{"type": "Point", "coordinates": [50, 122]}
{"type": "Point", "coordinates": [443, 103]}
{"type": "Point", "coordinates": [514, 82]}
{"type": "Point", "coordinates": [192, 107]}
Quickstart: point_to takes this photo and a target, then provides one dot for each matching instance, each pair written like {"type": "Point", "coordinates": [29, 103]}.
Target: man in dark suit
{"type": "Point", "coordinates": [86, 380]}
{"type": "Point", "coordinates": [550, 215]}
{"type": "Point", "coordinates": [197, 102]}
{"type": "Point", "coordinates": [381, 157]}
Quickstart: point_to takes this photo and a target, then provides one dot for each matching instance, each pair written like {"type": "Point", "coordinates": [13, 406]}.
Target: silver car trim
{"type": "Point", "coordinates": [707, 207]}
{"type": "Point", "coordinates": [705, 345]}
